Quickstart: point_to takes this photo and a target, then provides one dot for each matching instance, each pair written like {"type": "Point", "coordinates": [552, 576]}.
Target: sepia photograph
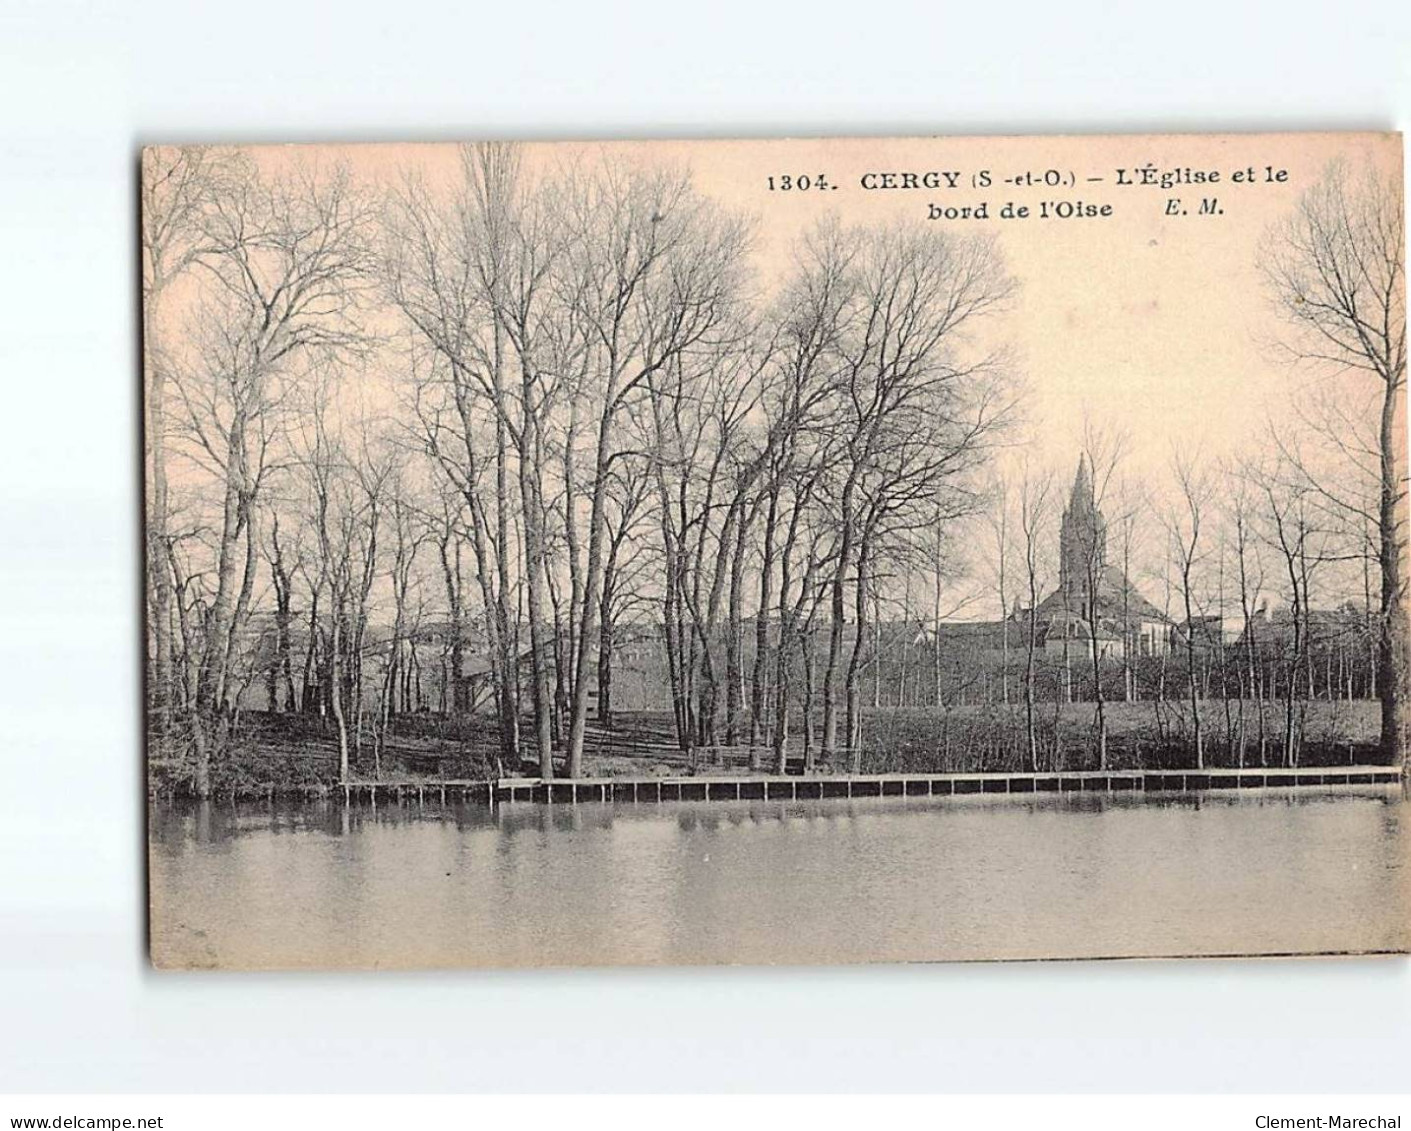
{"type": "Point", "coordinates": [761, 551]}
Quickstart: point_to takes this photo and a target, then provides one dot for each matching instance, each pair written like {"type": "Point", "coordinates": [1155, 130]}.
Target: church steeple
{"type": "Point", "coordinates": [1082, 485]}
{"type": "Point", "coordinates": [1082, 538]}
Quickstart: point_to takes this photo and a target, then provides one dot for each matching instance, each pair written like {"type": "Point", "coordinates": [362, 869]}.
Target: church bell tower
{"type": "Point", "coordinates": [1082, 540]}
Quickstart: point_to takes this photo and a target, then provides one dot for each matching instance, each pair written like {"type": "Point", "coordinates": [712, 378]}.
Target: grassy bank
{"type": "Point", "coordinates": [1140, 734]}
{"type": "Point", "coordinates": [265, 752]}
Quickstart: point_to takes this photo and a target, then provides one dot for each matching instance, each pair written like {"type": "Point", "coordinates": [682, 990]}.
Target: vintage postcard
{"type": "Point", "coordinates": [775, 551]}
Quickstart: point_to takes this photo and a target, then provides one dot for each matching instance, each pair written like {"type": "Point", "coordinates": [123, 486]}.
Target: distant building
{"type": "Point", "coordinates": [1094, 598]}
{"type": "Point", "coordinates": [1318, 633]}
{"type": "Point", "coordinates": [1094, 602]}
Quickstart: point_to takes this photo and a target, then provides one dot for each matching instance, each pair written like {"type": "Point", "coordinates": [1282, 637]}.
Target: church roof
{"type": "Point", "coordinates": [1082, 482]}
{"type": "Point", "coordinates": [1057, 622]}
{"type": "Point", "coordinates": [1115, 595]}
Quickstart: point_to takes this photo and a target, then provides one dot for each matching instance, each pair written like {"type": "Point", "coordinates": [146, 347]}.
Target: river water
{"type": "Point", "coordinates": [318, 885]}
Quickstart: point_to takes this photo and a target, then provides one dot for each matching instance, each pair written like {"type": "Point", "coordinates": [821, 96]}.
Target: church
{"type": "Point", "coordinates": [1094, 603]}
{"type": "Point", "coordinates": [1095, 599]}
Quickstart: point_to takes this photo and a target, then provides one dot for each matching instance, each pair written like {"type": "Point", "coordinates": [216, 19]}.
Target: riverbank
{"type": "Point", "coordinates": [777, 788]}
{"type": "Point", "coordinates": [297, 755]}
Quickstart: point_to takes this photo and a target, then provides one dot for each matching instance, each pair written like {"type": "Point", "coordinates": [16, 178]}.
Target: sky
{"type": "Point", "coordinates": [1146, 322]}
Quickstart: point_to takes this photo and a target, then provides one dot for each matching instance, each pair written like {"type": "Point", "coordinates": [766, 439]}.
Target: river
{"type": "Point", "coordinates": [314, 884]}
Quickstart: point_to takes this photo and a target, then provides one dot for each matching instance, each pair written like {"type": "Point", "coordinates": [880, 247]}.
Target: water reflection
{"type": "Point", "coordinates": [421, 883]}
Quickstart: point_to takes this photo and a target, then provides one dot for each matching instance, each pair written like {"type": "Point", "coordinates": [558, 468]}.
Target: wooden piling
{"type": "Point", "coordinates": [763, 787]}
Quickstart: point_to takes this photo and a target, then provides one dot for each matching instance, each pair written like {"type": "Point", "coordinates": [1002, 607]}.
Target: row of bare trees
{"type": "Point", "coordinates": [529, 406]}
{"type": "Point", "coordinates": [1337, 269]}
{"type": "Point", "coordinates": [270, 273]}
{"type": "Point", "coordinates": [1263, 600]}
{"type": "Point", "coordinates": [1316, 517]}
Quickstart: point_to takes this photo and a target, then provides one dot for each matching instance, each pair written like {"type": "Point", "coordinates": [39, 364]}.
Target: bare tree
{"type": "Point", "coordinates": [1185, 526]}
{"type": "Point", "coordinates": [800, 449]}
{"type": "Point", "coordinates": [285, 269]}
{"type": "Point", "coordinates": [472, 274]}
{"type": "Point", "coordinates": [179, 186]}
{"type": "Point", "coordinates": [655, 273]}
{"type": "Point", "coordinates": [1336, 271]}
{"type": "Point", "coordinates": [622, 578]}
{"type": "Point", "coordinates": [409, 534]}
{"type": "Point", "coordinates": [906, 406]}
{"type": "Point", "coordinates": [1035, 526]}
{"type": "Point", "coordinates": [284, 562]}
{"type": "Point", "coordinates": [448, 522]}
{"type": "Point", "coordinates": [1241, 519]}
{"type": "Point", "coordinates": [999, 517]}
{"type": "Point", "coordinates": [1103, 452]}
{"type": "Point", "coordinates": [1287, 514]}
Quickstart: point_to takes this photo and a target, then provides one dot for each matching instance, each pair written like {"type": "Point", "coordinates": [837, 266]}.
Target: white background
{"type": "Point", "coordinates": [83, 85]}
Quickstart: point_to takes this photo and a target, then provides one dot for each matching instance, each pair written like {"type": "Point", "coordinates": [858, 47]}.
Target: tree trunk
{"type": "Point", "coordinates": [1392, 648]}
{"type": "Point", "coordinates": [158, 568]}
{"type": "Point", "coordinates": [529, 493]}
{"type": "Point", "coordinates": [853, 706]}
{"type": "Point", "coordinates": [308, 702]}
{"type": "Point", "coordinates": [1191, 685]}
{"type": "Point", "coordinates": [1033, 643]}
{"type": "Point", "coordinates": [781, 701]}
{"type": "Point", "coordinates": [587, 635]}
{"type": "Point", "coordinates": [211, 676]}
{"type": "Point", "coordinates": [835, 632]}
{"type": "Point", "coordinates": [734, 668]}
{"type": "Point", "coordinates": [336, 692]}
{"type": "Point", "coordinates": [605, 643]}
{"type": "Point", "coordinates": [806, 646]}
{"type": "Point", "coordinates": [1100, 706]}
{"type": "Point", "coordinates": [761, 628]}
{"type": "Point", "coordinates": [241, 613]}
